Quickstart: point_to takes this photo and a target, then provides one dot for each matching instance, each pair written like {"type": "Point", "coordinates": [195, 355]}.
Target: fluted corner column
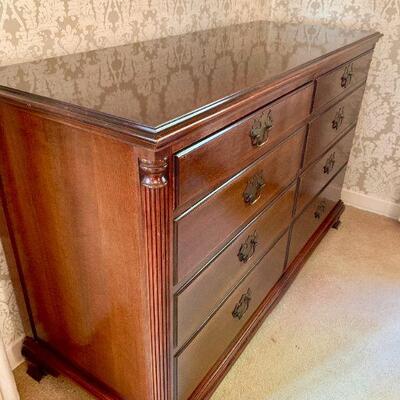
{"type": "Point", "coordinates": [156, 197]}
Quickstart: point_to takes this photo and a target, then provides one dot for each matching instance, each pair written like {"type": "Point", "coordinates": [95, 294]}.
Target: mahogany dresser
{"type": "Point", "coordinates": [158, 198]}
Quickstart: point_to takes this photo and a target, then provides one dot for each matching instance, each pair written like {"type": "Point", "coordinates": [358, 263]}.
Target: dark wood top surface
{"type": "Point", "coordinates": [152, 86]}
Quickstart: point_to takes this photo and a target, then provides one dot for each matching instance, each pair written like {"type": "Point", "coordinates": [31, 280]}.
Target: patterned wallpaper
{"type": "Point", "coordinates": [374, 167]}
{"type": "Point", "coordinates": [34, 29]}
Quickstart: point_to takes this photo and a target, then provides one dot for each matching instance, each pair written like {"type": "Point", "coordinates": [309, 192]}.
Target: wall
{"type": "Point", "coordinates": [34, 29]}
{"type": "Point", "coordinates": [373, 177]}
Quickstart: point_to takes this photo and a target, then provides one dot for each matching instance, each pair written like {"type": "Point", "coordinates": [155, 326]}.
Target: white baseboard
{"type": "Point", "coordinates": [13, 351]}
{"type": "Point", "coordinates": [372, 204]}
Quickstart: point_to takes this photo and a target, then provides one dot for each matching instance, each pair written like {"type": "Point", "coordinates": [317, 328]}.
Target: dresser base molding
{"type": "Point", "coordinates": [218, 372]}
{"type": "Point", "coordinates": [44, 361]}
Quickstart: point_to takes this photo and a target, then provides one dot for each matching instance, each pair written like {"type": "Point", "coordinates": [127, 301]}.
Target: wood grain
{"type": "Point", "coordinates": [323, 131]}
{"type": "Point", "coordinates": [205, 349]}
{"type": "Point", "coordinates": [157, 208]}
{"type": "Point", "coordinates": [78, 235]}
{"type": "Point", "coordinates": [195, 302]}
{"type": "Point", "coordinates": [320, 173]}
{"type": "Point", "coordinates": [330, 85]}
{"type": "Point", "coordinates": [203, 166]}
{"type": "Point", "coordinates": [214, 376]}
{"type": "Point", "coordinates": [204, 229]}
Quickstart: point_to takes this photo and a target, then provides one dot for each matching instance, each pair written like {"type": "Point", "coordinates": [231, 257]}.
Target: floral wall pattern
{"type": "Point", "coordinates": [374, 167]}
{"type": "Point", "coordinates": [32, 29]}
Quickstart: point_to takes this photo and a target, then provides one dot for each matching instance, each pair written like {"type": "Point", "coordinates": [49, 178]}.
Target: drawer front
{"type": "Point", "coordinates": [314, 215]}
{"type": "Point", "coordinates": [325, 129]}
{"type": "Point", "coordinates": [201, 231]}
{"type": "Point", "coordinates": [342, 79]}
{"type": "Point", "coordinates": [319, 174]}
{"type": "Point", "coordinates": [197, 301]}
{"type": "Point", "coordinates": [205, 165]}
{"type": "Point", "coordinates": [210, 343]}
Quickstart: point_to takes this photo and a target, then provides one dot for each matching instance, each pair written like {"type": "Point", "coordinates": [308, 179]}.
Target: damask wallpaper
{"type": "Point", "coordinates": [35, 29]}
{"type": "Point", "coordinates": [374, 167]}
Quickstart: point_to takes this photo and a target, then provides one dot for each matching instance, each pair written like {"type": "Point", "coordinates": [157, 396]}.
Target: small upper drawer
{"type": "Point", "coordinates": [341, 79]}
{"type": "Point", "coordinates": [211, 342]}
{"type": "Point", "coordinates": [319, 174]}
{"type": "Point", "coordinates": [327, 127]}
{"type": "Point", "coordinates": [206, 164]}
{"type": "Point", "coordinates": [195, 303]}
{"type": "Point", "coordinates": [203, 229]}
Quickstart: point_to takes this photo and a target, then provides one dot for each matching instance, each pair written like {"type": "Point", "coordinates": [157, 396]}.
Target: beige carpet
{"type": "Point", "coordinates": [334, 336]}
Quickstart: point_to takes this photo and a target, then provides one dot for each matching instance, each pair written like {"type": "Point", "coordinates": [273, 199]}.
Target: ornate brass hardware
{"type": "Point", "coordinates": [242, 306]}
{"type": "Point", "coordinates": [253, 189]}
{"type": "Point", "coordinates": [248, 248]}
{"type": "Point", "coordinates": [260, 130]}
{"type": "Point", "coordinates": [329, 164]}
{"type": "Point", "coordinates": [319, 211]}
{"type": "Point", "coordinates": [339, 117]}
{"type": "Point", "coordinates": [347, 75]}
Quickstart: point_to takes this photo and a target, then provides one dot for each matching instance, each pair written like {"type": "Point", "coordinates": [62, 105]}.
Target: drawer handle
{"type": "Point", "coordinates": [347, 75]}
{"type": "Point", "coordinates": [248, 248]}
{"type": "Point", "coordinates": [260, 131]}
{"type": "Point", "coordinates": [339, 117]}
{"type": "Point", "coordinates": [253, 189]}
{"type": "Point", "coordinates": [320, 210]}
{"type": "Point", "coordinates": [329, 164]}
{"type": "Point", "coordinates": [242, 306]}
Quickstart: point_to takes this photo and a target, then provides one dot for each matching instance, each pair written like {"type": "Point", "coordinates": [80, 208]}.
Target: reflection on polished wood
{"type": "Point", "coordinates": [158, 198]}
{"type": "Point", "coordinates": [155, 82]}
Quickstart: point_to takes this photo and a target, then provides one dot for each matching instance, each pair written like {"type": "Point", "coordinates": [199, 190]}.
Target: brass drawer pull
{"type": "Point", "coordinates": [320, 210]}
{"type": "Point", "coordinates": [248, 248]}
{"type": "Point", "coordinates": [253, 189]}
{"type": "Point", "coordinates": [347, 76]}
{"type": "Point", "coordinates": [329, 164]}
{"type": "Point", "coordinates": [242, 306]}
{"type": "Point", "coordinates": [260, 130]}
{"type": "Point", "coordinates": [339, 117]}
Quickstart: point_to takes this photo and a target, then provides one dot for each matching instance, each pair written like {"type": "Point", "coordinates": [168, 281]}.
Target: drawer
{"type": "Point", "coordinates": [210, 343]}
{"type": "Point", "coordinates": [331, 124]}
{"type": "Point", "coordinates": [203, 166]}
{"type": "Point", "coordinates": [197, 301]}
{"type": "Point", "coordinates": [319, 174]}
{"type": "Point", "coordinates": [203, 230]}
{"type": "Point", "coordinates": [308, 222]}
{"type": "Point", "coordinates": [342, 79]}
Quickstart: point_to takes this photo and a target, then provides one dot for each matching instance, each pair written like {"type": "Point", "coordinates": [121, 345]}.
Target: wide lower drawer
{"type": "Point", "coordinates": [319, 174]}
{"type": "Point", "coordinates": [196, 302]}
{"type": "Point", "coordinates": [201, 231]}
{"type": "Point", "coordinates": [309, 221]}
{"type": "Point", "coordinates": [327, 127]}
{"type": "Point", "coordinates": [203, 166]}
{"type": "Point", "coordinates": [211, 342]}
{"type": "Point", "coordinates": [341, 80]}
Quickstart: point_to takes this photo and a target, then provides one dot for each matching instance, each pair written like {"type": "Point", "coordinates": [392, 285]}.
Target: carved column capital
{"type": "Point", "coordinates": [154, 173]}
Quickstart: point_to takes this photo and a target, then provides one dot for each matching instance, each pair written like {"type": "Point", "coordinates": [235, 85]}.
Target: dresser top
{"type": "Point", "coordinates": [153, 86]}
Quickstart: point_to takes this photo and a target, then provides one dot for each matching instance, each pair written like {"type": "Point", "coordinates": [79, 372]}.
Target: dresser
{"type": "Point", "coordinates": [159, 198]}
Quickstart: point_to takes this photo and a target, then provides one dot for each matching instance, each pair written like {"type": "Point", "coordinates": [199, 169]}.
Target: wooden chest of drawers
{"type": "Point", "coordinates": [159, 198]}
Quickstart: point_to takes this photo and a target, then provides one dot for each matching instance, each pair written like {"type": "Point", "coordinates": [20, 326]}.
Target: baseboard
{"type": "Point", "coordinates": [372, 204]}
{"type": "Point", "coordinates": [13, 351]}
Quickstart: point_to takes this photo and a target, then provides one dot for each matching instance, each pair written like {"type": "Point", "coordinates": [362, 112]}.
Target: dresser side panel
{"type": "Point", "coordinates": [74, 207]}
